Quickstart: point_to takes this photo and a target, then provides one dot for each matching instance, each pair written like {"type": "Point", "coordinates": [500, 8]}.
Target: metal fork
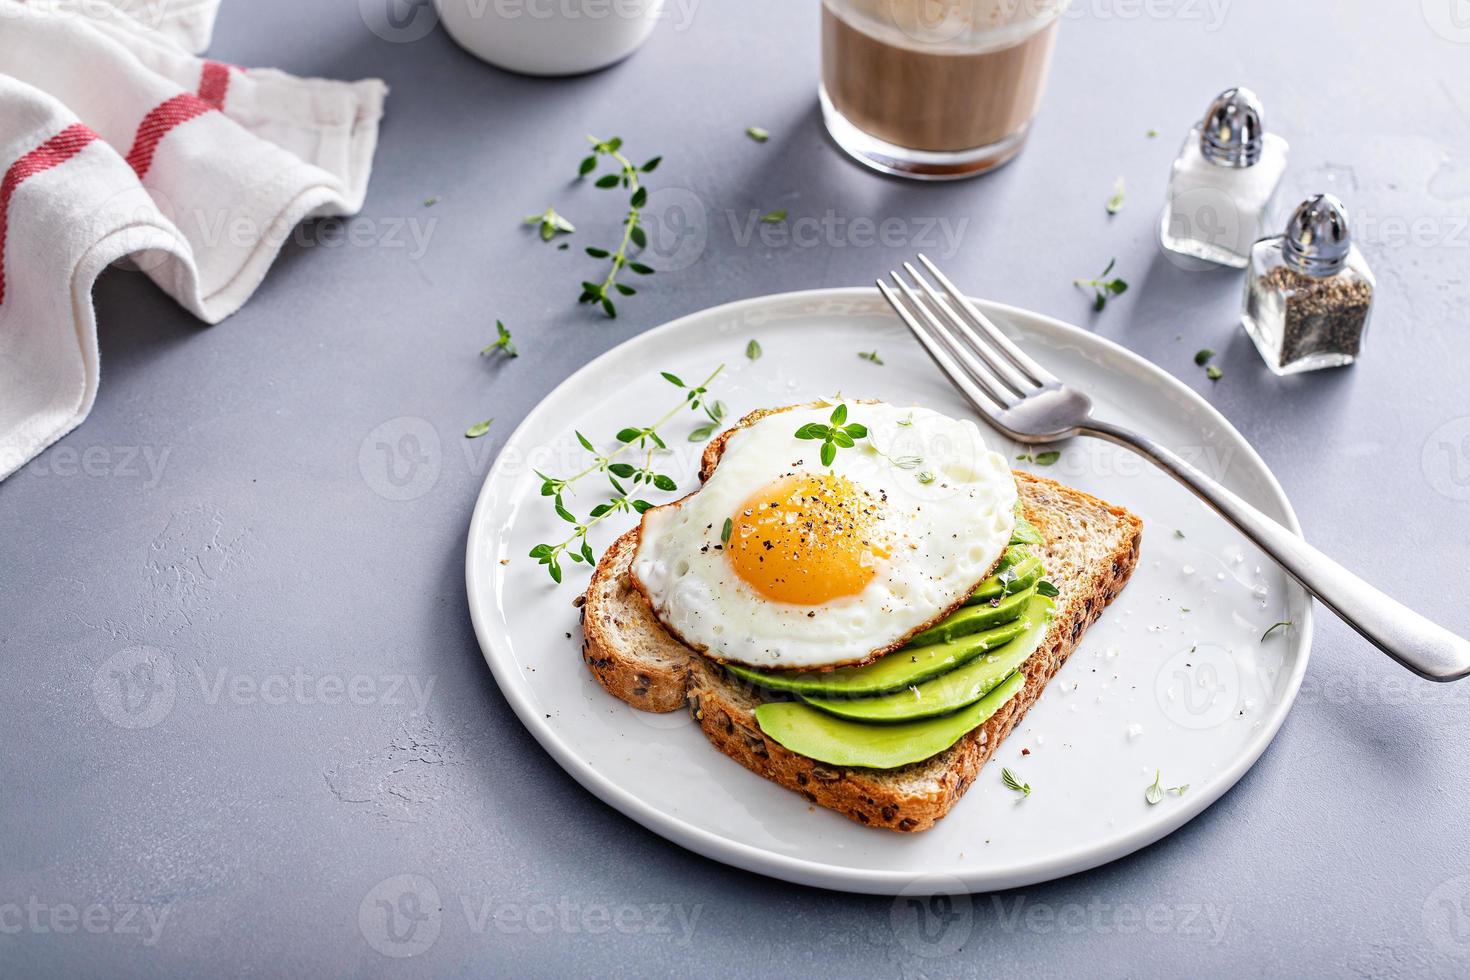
{"type": "Point", "coordinates": [1030, 405]}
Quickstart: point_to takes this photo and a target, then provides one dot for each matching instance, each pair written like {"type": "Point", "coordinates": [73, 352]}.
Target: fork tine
{"type": "Point", "coordinates": [1018, 357]}
{"type": "Point", "coordinates": [994, 360]}
{"type": "Point", "coordinates": [984, 401]}
{"type": "Point", "coordinates": [965, 361]}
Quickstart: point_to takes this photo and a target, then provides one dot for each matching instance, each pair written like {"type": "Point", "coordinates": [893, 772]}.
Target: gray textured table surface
{"type": "Point", "coordinates": [222, 518]}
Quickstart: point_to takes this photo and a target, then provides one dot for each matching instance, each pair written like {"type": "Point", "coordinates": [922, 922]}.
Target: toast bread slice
{"type": "Point", "coordinates": [1092, 548]}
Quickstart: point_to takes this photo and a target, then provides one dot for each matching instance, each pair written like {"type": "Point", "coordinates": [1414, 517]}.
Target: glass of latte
{"type": "Point", "coordinates": [934, 89]}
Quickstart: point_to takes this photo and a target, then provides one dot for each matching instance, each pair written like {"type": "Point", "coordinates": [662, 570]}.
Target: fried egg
{"type": "Point", "coordinates": [780, 561]}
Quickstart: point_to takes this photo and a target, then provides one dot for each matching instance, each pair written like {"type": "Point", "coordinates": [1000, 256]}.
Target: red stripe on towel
{"type": "Point", "coordinates": [158, 124]}
{"type": "Point", "coordinates": [57, 150]}
{"type": "Point", "coordinates": [214, 81]}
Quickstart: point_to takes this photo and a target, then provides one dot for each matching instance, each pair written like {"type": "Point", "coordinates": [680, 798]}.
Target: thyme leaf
{"type": "Point", "coordinates": [1103, 288]}
{"type": "Point", "coordinates": [1011, 782]}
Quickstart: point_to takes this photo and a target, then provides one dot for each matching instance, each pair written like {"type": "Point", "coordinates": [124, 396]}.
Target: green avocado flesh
{"type": "Point", "coordinates": [918, 701]}
{"type": "Point", "coordinates": [840, 742]}
{"type": "Point", "coordinates": [894, 672]}
{"type": "Point", "coordinates": [1013, 555]}
{"type": "Point", "coordinates": [1026, 532]}
{"type": "Point", "coordinates": [959, 687]}
{"type": "Point", "coordinates": [973, 619]}
{"type": "Point", "coordinates": [1009, 580]}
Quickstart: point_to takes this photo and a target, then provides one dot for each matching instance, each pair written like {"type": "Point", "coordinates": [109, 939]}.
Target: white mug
{"type": "Point", "coordinates": [549, 37]}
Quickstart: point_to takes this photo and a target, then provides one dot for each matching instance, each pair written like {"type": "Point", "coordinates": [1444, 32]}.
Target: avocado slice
{"type": "Point", "coordinates": [974, 618]}
{"type": "Point", "coordinates": [1008, 581]}
{"type": "Point", "coordinates": [1026, 533]}
{"type": "Point", "coordinates": [1013, 555]}
{"type": "Point", "coordinates": [894, 672]}
{"type": "Point", "coordinates": [960, 687]}
{"type": "Point", "coordinates": [839, 742]}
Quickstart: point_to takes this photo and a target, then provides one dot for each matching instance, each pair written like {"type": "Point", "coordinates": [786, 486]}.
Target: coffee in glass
{"type": "Point", "coordinates": [934, 89]}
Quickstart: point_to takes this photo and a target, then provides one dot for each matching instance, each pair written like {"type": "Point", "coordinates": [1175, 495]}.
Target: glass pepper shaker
{"type": "Point", "coordinates": [1223, 182]}
{"type": "Point", "coordinates": [1308, 293]}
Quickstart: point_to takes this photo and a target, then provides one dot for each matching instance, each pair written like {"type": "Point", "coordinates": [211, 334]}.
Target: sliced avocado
{"type": "Point", "coordinates": [1026, 533]}
{"type": "Point", "coordinates": [894, 672]}
{"type": "Point", "coordinates": [974, 618]}
{"type": "Point", "coordinates": [960, 687]}
{"type": "Point", "coordinates": [839, 742]}
{"type": "Point", "coordinates": [1013, 555]}
{"type": "Point", "coordinates": [1008, 581]}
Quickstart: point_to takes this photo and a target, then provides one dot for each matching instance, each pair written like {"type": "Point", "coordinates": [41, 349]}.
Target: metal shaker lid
{"type": "Point", "coordinates": [1233, 131]}
{"type": "Point", "coordinates": [1317, 240]}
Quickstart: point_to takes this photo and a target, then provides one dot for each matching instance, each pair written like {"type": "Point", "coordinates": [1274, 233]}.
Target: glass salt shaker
{"type": "Point", "coordinates": [1309, 292]}
{"type": "Point", "coordinates": [1223, 182]}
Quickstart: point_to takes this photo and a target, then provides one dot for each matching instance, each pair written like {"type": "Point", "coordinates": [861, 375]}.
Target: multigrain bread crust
{"type": "Point", "coordinates": [1092, 548]}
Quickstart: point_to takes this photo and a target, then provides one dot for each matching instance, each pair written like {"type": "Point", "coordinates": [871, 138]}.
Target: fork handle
{"type": "Point", "coordinates": [1426, 648]}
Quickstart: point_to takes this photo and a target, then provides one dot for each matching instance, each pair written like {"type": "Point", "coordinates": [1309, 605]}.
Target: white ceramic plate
{"type": "Point", "coordinates": [1174, 677]}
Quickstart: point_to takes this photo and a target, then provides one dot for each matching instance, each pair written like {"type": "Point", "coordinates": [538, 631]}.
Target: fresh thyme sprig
{"type": "Point", "coordinates": [716, 412]}
{"type": "Point", "coordinates": [1115, 202]}
{"type": "Point", "coordinates": [835, 435]}
{"type": "Point", "coordinates": [576, 546]}
{"type": "Point", "coordinates": [502, 342]}
{"type": "Point", "coordinates": [1103, 287]}
{"type": "Point", "coordinates": [551, 224]}
{"type": "Point", "coordinates": [1274, 627]}
{"type": "Point", "coordinates": [1155, 793]}
{"type": "Point", "coordinates": [633, 234]}
{"type": "Point", "coordinates": [902, 462]}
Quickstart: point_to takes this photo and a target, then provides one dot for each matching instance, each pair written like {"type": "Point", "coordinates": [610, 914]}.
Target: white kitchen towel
{"type": "Point", "coordinates": [187, 23]}
{"type": "Point", "coordinates": [117, 141]}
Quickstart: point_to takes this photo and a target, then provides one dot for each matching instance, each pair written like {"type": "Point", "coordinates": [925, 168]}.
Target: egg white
{"type": "Point", "coordinates": [943, 535]}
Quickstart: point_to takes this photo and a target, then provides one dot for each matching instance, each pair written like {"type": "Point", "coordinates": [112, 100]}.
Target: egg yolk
{"type": "Point", "coordinates": [806, 539]}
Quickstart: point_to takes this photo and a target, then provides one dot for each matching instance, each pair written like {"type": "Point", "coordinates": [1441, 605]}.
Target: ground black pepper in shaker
{"type": "Point", "coordinates": [1309, 292]}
